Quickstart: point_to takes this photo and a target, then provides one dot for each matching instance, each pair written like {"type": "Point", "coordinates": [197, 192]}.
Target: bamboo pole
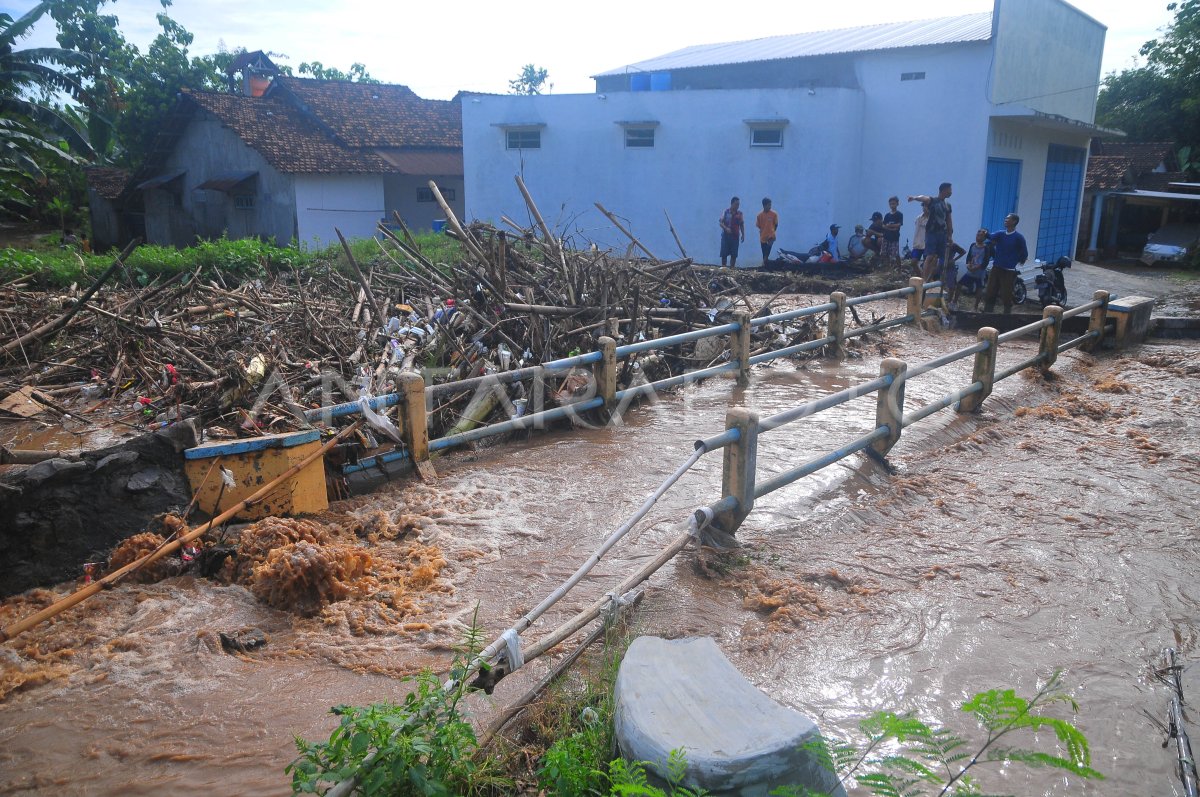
{"type": "Point", "coordinates": [466, 237]}
{"type": "Point", "coordinates": [61, 321]}
{"type": "Point", "coordinates": [674, 234]}
{"type": "Point", "coordinates": [58, 607]}
{"type": "Point", "coordinates": [628, 234]}
{"type": "Point", "coordinates": [362, 281]}
{"type": "Point", "coordinates": [537, 215]}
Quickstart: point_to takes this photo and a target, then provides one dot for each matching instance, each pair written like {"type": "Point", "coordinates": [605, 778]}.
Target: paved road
{"type": "Point", "coordinates": [1177, 291]}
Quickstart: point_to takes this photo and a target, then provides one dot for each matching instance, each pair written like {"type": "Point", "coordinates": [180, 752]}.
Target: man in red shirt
{"type": "Point", "coordinates": [733, 232]}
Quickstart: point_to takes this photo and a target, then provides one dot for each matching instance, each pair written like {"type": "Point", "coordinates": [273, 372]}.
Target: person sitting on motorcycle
{"type": "Point", "coordinates": [979, 255]}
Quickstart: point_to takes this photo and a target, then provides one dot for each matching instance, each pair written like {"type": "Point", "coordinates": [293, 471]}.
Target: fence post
{"type": "Point", "coordinates": [1097, 321]}
{"type": "Point", "coordinates": [737, 474]}
{"type": "Point", "coordinates": [1050, 337]}
{"type": "Point", "coordinates": [415, 430]}
{"type": "Point", "coordinates": [889, 404]}
{"type": "Point", "coordinates": [916, 299]}
{"type": "Point", "coordinates": [739, 347]}
{"type": "Point", "coordinates": [985, 370]}
{"type": "Point", "coordinates": [605, 373]}
{"type": "Point", "coordinates": [837, 324]}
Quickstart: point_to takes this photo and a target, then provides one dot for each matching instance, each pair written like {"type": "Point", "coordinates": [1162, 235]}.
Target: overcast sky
{"type": "Point", "coordinates": [437, 49]}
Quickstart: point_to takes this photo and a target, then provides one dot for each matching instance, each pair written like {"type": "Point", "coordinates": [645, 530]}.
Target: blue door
{"type": "Point", "coordinates": [999, 193]}
{"type": "Point", "coordinates": [1060, 202]}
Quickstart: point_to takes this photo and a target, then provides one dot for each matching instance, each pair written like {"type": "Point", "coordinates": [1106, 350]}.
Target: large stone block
{"type": "Point", "coordinates": [1131, 315]}
{"type": "Point", "coordinates": [684, 694]}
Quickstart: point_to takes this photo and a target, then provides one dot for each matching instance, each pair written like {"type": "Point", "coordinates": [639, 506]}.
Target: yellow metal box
{"type": "Point", "coordinates": [254, 463]}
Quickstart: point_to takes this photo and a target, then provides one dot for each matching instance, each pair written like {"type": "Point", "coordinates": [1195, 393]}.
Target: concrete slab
{"type": "Point", "coordinates": [684, 694]}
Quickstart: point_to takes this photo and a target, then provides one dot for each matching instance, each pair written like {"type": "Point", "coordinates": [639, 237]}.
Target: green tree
{"type": "Point", "coordinates": [357, 73]}
{"type": "Point", "coordinates": [1160, 100]}
{"type": "Point", "coordinates": [530, 81]}
{"type": "Point", "coordinates": [32, 128]}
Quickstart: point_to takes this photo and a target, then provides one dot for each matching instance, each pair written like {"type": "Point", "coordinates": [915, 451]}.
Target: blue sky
{"type": "Point", "coordinates": [438, 49]}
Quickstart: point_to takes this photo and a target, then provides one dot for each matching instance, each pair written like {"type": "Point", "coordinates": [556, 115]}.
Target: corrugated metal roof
{"type": "Point", "coordinates": [888, 36]}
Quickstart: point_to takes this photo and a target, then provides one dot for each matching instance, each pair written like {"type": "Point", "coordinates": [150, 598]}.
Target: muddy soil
{"type": "Point", "coordinates": [1055, 529]}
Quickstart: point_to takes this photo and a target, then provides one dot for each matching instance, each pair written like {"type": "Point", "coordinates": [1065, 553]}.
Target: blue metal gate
{"type": "Point", "coordinates": [1000, 193]}
{"type": "Point", "coordinates": [1060, 202]}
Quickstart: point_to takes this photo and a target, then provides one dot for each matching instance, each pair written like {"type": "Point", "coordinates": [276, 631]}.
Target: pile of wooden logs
{"type": "Point", "coordinates": [251, 356]}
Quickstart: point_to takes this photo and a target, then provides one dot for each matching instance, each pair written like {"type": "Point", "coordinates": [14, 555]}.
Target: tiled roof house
{"type": "Point", "coordinates": [303, 158]}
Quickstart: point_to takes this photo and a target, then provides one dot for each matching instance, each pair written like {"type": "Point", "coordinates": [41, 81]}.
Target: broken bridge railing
{"type": "Point", "coordinates": [415, 397]}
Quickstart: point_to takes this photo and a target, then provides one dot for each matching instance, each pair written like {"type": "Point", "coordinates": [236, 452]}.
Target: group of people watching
{"type": "Point", "coordinates": [933, 246]}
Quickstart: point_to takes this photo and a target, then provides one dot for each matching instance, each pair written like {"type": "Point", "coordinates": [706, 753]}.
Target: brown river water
{"type": "Point", "coordinates": [1056, 529]}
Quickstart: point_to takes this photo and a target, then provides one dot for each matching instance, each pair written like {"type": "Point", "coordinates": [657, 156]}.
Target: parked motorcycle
{"type": "Point", "coordinates": [969, 287]}
{"type": "Point", "coordinates": [1051, 287]}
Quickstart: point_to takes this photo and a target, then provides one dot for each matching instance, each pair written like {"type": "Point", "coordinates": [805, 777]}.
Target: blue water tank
{"type": "Point", "coordinates": [639, 81]}
{"type": "Point", "coordinates": [660, 81]}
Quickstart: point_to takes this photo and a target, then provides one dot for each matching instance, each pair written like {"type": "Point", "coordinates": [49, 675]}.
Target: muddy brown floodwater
{"type": "Point", "coordinates": [1056, 529]}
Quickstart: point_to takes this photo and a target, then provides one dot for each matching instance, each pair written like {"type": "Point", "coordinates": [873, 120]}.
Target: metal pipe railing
{"type": "Point", "coordinates": [1012, 334]}
{"type": "Point", "coordinates": [674, 381]}
{"type": "Point", "coordinates": [940, 404]}
{"type": "Point", "coordinates": [1083, 308]}
{"type": "Point", "coordinates": [351, 407]}
{"type": "Point", "coordinates": [675, 340]}
{"type": "Point", "coordinates": [789, 315]}
{"type": "Point", "coordinates": [875, 297]}
{"type": "Point", "coordinates": [811, 345]}
{"type": "Point", "coordinates": [789, 476]}
{"type": "Point", "coordinates": [895, 322]}
{"type": "Point", "coordinates": [514, 424]}
{"type": "Point", "coordinates": [945, 359]}
{"type": "Point", "coordinates": [821, 404]}
{"type": "Point", "coordinates": [1076, 342]}
{"type": "Point", "coordinates": [1021, 366]}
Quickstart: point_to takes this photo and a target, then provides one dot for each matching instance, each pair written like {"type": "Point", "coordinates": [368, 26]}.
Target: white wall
{"type": "Point", "coordinates": [701, 157]}
{"type": "Point", "coordinates": [352, 203]}
{"type": "Point", "coordinates": [920, 133]}
{"type": "Point", "coordinates": [1048, 57]}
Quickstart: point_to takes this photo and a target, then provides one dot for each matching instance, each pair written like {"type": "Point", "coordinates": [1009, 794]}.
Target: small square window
{"type": "Point", "coordinates": [639, 137]}
{"type": "Point", "coordinates": [766, 137]}
{"type": "Point", "coordinates": [243, 202]}
{"type": "Point", "coordinates": [912, 75]}
{"type": "Point", "coordinates": [426, 194]}
{"type": "Point", "coordinates": [523, 139]}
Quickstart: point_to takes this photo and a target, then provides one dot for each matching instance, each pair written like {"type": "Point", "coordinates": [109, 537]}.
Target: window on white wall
{"type": "Point", "coordinates": [639, 137]}
{"type": "Point", "coordinates": [766, 137]}
{"type": "Point", "coordinates": [523, 139]}
{"type": "Point", "coordinates": [426, 194]}
{"type": "Point", "coordinates": [912, 75]}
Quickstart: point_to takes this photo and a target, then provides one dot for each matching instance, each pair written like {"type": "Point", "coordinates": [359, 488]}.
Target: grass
{"type": "Point", "coordinates": [53, 266]}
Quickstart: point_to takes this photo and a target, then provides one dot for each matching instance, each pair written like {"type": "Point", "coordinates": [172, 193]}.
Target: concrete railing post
{"type": "Point", "coordinates": [1051, 334]}
{"type": "Point", "coordinates": [985, 370]}
{"type": "Point", "coordinates": [739, 347]}
{"type": "Point", "coordinates": [605, 373]}
{"type": "Point", "coordinates": [737, 475]}
{"type": "Point", "coordinates": [837, 324]}
{"type": "Point", "coordinates": [916, 299]}
{"type": "Point", "coordinates": [415, 430]}
{"type": "Point", "coordinates": [1097, 321]}
{"type": "Point", "coordinates": [889, 404]}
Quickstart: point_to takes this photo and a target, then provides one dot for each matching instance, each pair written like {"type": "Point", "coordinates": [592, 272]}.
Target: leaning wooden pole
{"type": "Point", "coordinates": [463, 234]}
{"type": "Point", "coordinates": [537, 215]}
{"type": "Point", "coordinates": [54, 609]}
{"type": "Point", "coordinates": [674, 234]}
{"type": "Point", "coordinates": [362, 280]}
{"type": "Point", "coordinates": [628, 234]}
{"type": "Point", "coordinates": [58, 323]}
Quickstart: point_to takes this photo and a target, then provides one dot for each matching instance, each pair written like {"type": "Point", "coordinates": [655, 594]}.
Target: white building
{"type": "Point", "coordinates": [829, 125]}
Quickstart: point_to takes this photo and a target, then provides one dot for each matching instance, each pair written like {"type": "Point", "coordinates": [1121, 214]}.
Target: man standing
{"type": "Point", "coordinates": [733, 231]}
{"type": "Point", "coordinates": [831, 243]}
{"type": "Point", "coordinates": [893, 220]}
{"type": "Point", "coordinates": [939, 229]}
{"type": "Point", "coordinates": [767, 223]}
{"type": "Point", "coordinates": [1008, 252]}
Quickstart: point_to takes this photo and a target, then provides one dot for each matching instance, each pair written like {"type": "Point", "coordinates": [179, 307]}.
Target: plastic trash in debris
{"type": "Point", "coordinates": [91, 391]}
{"type": "Point", "coordinates": [519, 407]}
{"type": "Point", "coordinates": [393, 325]}
{"type": "Point", "coordinates": [256, 370]}
{"type": "Point", "coordinates": [505, 356]}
